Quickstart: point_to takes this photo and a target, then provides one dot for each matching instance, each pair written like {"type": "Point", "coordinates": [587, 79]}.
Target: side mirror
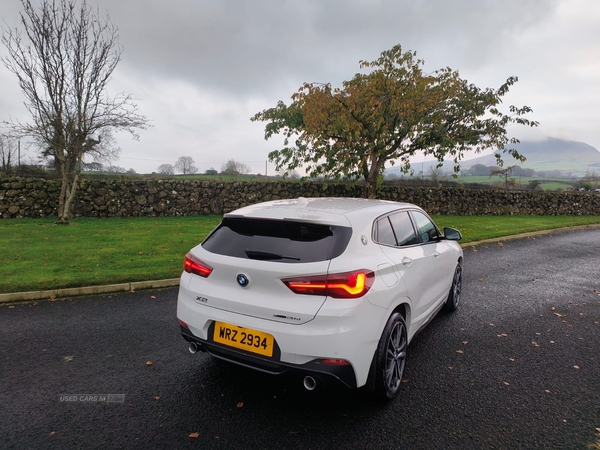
{"type": "Point", "coordinates": [452, 234]}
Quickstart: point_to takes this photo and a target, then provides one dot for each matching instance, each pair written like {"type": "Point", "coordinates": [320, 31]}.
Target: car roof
{"type": "Point", "coordinates": [323, 210]}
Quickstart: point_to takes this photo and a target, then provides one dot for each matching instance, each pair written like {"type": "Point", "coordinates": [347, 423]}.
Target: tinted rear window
{"type": "Point", "coordinates": [276, 240]}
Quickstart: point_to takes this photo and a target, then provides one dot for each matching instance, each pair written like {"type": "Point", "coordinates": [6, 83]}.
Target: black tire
{"type": "Point", "coordinates": [453, 299]}
{"type": "Point", "coordinates": [391, 358]}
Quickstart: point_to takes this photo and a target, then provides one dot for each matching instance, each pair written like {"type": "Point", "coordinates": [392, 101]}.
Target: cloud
{"type": "Point", "coordinates": [202, 68]}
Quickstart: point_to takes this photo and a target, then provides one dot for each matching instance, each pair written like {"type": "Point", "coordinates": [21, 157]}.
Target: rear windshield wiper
{"type": "Point", "coordinates": [266, 256]}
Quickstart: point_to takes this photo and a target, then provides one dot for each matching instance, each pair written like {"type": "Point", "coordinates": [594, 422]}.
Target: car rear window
{"type": "Point", "coordinates": [277, 240]}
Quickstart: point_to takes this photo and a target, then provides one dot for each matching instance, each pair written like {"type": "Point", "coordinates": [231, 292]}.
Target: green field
{"type": "Point", "coordinates": [38, 255]}
{"type": "Point", "coordinates": [547, 184]}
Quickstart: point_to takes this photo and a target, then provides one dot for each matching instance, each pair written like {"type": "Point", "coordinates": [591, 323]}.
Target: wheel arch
{"type": "Point", "coordinates": [404, 310]}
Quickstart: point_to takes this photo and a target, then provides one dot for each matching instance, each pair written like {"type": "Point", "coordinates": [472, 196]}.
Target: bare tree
{"type": "Point", "coordinates": [92, 167]}
{"type": "Point", "coordinates": [234, 168]}
{"type": "Point", "coordinates": [8, 153]}
{"type": "Point", "coordinates": [185, 165]}
{"type": "Point", "coordinates": [505, 173]}
{"type": "Point", "coordinates": [437, 175]}
{"type": "Point", "coordinates": [166, 169]}
{"type": "Point", "coordinates": [115, 169]}
{"type": "Point", "coordinates": [64, 57]}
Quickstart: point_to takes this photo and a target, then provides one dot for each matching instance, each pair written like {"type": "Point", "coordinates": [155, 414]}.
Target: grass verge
{"type": "Point", "coordinates": [477, 228]}
{"type": "Point", "coordinates": [38, 255]}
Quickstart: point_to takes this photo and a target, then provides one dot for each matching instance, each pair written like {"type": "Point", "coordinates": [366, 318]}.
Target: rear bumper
{"type": "Point", "coordinates": [325, 374]}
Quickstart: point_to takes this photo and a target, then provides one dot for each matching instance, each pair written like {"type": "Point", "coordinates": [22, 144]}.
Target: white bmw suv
{"type": "Point", "coordinates": [330, 289]}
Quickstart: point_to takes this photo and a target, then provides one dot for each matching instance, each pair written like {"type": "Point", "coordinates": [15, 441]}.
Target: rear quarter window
{"type": "Point", "coordinates": [277, 240]}
{"type": "Point", "coordinates": [403, 229]}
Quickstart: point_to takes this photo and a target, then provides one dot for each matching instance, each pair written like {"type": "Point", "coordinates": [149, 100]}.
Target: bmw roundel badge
{"type": "Point", "coordinates": [242, 280]}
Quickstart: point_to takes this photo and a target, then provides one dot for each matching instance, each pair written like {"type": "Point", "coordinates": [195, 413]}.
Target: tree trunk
{"type": "Point", "coordinates": [372, 179]}
{"type": "Point", "coordinates": [70, 195]}
{"type": "Point", "coordinates": [67, 192]}
{"type": "Point", "coordinates": [62, 196]}
{"type": "Point", "coordinates": [370, 188]}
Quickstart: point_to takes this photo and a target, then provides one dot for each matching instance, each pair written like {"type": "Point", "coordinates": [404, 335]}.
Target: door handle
{"type": "Point", "coordinates": [407, 261]}
{"type": "Point", "coordinates": [436, 255]}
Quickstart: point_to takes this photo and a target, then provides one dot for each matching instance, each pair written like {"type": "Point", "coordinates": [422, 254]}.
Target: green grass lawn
{"type": "Point", "coordinates": [38, 255]}
{"type": "Point", "coordinates": [477, 228]}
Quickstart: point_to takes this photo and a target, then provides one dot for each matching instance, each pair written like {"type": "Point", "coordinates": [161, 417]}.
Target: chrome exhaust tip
{"type": "Point", "coordinates": [193, 348]}
{"type": "Point", "coordinates": [310, 383]}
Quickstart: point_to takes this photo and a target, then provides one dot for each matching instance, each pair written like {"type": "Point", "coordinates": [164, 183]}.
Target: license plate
{"type": "Point", "coordinates": [244, 338]}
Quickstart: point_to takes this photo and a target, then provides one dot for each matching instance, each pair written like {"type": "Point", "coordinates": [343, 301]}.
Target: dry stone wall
{"type": "Point", "coordinates": [38, 198]}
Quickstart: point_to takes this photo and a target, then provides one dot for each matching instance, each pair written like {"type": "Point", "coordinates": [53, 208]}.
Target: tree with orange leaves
{"type": "Point", "coordinates": [387, 115]}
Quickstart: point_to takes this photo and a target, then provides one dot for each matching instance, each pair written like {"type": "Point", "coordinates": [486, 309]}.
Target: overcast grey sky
{"type": "Point", "coordinates": [201, 68]}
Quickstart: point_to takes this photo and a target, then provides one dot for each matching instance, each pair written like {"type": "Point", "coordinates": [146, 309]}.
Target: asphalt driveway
{"type": "Point", "coordinates": [517, 366]}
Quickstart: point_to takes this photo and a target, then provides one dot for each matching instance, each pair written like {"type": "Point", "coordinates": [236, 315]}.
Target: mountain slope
{"type": "Point", "coordinates": [550, 154]}
{"type": "Point", "coordinates": [568, 157]}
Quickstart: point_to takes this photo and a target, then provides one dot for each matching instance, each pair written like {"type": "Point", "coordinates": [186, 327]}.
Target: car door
{"type": "Point", "coordinates": [444, 258]}
{"type": "Point", "coordinates": [412, 261]}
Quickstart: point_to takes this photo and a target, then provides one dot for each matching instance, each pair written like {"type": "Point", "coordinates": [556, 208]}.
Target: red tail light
{"type": "Point", "coordinates": [339, 285]}
{"type": "Point", "coordinates": [194, 265]}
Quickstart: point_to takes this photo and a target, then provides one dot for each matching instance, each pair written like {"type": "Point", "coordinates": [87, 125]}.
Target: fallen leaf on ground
{"type": "Point", "coordinates": [459, 351]}
{"type": "Point", "coordinates": [157, 397]}
{"type": "Point", "coordinates": [194, 435]}
{"type": "Point", "coordinates": [506, 383]}
{"type": "Point", "coordinates": [465, 342]}
{"type": "Point", "coordinates": [575, 367]}
{"type": "Point", "coordinates": [68, 358]}
{"type": "Point", "coordinates": [153, 296]}
{"type": "Point", "coordinates": [148, 363]}
{"type": "Point", "coordinates": [535, 344]}
{"type": "Point", "coordinates": [240, 404]}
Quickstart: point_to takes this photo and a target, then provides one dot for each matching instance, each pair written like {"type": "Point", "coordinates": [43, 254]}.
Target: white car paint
{"type": "Point", "coordinates": [306, 328]}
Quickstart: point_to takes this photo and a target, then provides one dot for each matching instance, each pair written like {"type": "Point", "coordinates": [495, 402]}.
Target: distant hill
{"type": "Point", "coordinates": [551, 155]}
